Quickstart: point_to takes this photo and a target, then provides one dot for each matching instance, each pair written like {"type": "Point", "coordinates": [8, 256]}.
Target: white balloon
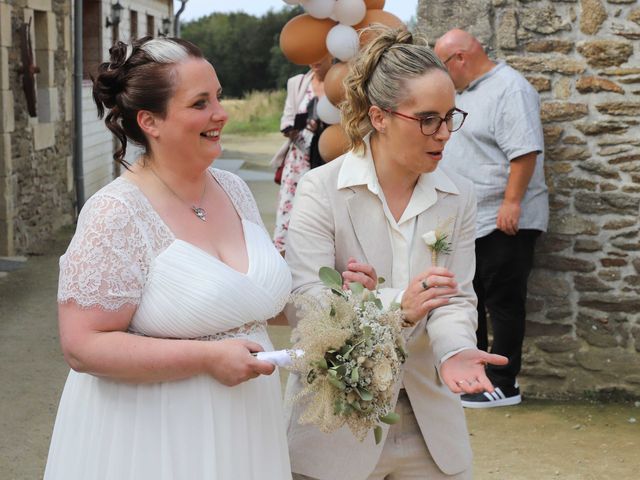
{"type": "Point", "coordinates": [318, 8]}
{"type": "Point", "coordinates": [291, 2]}
{"type": "Point", "coordinates": [343, 42]}
{"type": "Point", "coordinates": [350, 12]}
{"type": "Point", "coordinates": [327, 112]}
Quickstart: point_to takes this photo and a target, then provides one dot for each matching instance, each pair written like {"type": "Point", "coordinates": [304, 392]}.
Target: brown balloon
{"type": "Point", "coordinates": [332, 143]}
{"type": "Point", "coordinates": [377, 16]}
{"type": "Point", "coordinates": [333, 87]}
{"type": "Point", "coordinates": [374, 4]}
{"type": "Point", "coordinates": [303, 39]}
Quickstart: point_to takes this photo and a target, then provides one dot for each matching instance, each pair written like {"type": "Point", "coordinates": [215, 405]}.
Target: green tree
{"type": "Point", "coordinates": [244, 49]}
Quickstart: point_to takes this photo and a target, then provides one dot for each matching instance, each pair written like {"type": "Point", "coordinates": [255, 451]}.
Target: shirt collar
{"type": "Point", "coordinates": [358, 169]}
{"type": "Point", "coordinates": [500, 65]}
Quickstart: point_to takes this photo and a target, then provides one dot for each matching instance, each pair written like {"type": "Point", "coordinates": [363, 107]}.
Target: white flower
{"type": "Point", "coordinates": [382, 376]}
{"type": "Point", "coordinates": [430, 238]}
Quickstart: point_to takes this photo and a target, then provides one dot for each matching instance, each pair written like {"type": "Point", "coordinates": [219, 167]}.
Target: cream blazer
{"type": "Point", "coordinates": [330, 224]}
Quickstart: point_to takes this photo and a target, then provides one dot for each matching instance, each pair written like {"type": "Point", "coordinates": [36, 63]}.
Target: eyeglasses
{"type": "Point", "coordinates": [449, 58]}
{"type": "Point", "coordinates": [431, 124]}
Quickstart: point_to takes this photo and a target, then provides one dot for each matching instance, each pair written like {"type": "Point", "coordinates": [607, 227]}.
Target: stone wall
{"type": "Point", "coordinates": [583, 56]}
{"type": "Point", "coordinates": [36, 180]}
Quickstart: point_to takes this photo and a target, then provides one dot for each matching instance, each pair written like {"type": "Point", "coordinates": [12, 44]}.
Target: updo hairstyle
{"type": "Point", "coordinates": [139, 76]}
{"type": "Point", "coordinates": [378, 76]}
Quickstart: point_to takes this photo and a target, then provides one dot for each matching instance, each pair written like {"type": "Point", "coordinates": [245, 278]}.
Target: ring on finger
{"type": "Point", "coordinates": [424, 284]}
{"type": "Point", "coordinates": [460, 382]}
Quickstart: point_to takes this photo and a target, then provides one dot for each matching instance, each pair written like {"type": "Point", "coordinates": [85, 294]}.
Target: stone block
{"type": "Point", "coordinates": [46, 63]}
{"type": "Point", "coordinates": [619, 224]}
{"type": "Point", "coordinates": [6, 159]}
{"type": "Point", "coordinates": [554, 329]}
{"type": "Point", "coordinates": [541, 84]}
{"type": "Point", "coordinates": [544, 284]}
{"type": "Point", "coordinates": [574, 140]}
{"type": "Point", "coordinates": [565, 343]}
{"type": "Point", "coordinates": [573, 225]}
{"type": "Point", "coordinates": [597, 84]}
{"type": "Point", "coordinates": [568, 153]}
{"type": "Point", "coordinates": [598, 168]}
{"type": "Point", "coordinates": [507, 28]}
{"type": "Point", "coordinates": [543, 19]}
{"type": "Point", "coordinates": [48, 105]}
{"type": "Point", "coordinates": [634, 16]}
{"type": "Point", "coordinates": [605, 53]}
{"type": "Point", "coordinates": [43, 135]}
{"type": "Point", "coordinates": [587, 245]}
{"type": "Point", "coordinates": [590, 283]}
{"type": "Point", "coordinates": [552, 133]}
{"type": "Point", "coordinates": [562, 111]}
{"type": "Point", "coordinates": [4, 69]}
{"type": "Point", "coordinates": [573, 183]}
{"type": "Point", "coordinates": [610, 302]}
{"type": "Point", "coordinates": [636, 264]}
{"type": "Point", "coordinates": [549, 45]}
{"type": "Point", "coordinates": [619, 108]}
{"type": "Point", "coordinates": [618, 140]}
{"type": "Point", "coordinates": [633, 157]}
{"type": "Point", "coordinates": [620, 71]}
{"type": "Point", "coordinates": [601, 203]}
{"type": "Point", "coordinates": [609, 274]}
{"type": "Point", "coordinates": [593, 16]}
{"type": "Point", "coordinates": [7, 115]}
{"type": "Point", "coordinates": [560, 263]}
{"type": "Point", "coordinates": [547, 64]}
{"type": "Point", "coordinates": [43, 5]}
{"type": "Point", "coordinates": [614, 150]}
{"type": "Point", "coordinates": [602, 127]}
{"type": "Point", "coordinates": [630, 80]}
{"type": "Point", "coordinates": [6, 33]}
{"type": "Point", "coordinates": [552, 243]}
{"type": "Point", "coordinates": [562, 88]}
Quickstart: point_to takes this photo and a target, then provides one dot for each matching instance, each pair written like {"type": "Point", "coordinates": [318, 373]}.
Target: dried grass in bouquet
{"type": "Point", "coordinates": [353, 352]}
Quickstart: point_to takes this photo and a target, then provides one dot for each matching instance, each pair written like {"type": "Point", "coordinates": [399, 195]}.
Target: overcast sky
{"type": "Point", "coordinates": [404, 9]}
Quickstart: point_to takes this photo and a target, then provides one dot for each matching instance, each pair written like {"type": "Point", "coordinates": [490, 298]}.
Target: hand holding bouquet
{"type": "Point", "coordinates": [353, 352]}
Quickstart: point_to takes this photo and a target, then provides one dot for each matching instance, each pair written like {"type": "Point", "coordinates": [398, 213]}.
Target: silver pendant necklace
{"type": "Point", "coordinates": [199, 212]}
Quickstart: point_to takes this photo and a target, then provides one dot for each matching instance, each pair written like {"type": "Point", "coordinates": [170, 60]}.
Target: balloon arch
{"type": "Point", "coordinates": [332, 27]}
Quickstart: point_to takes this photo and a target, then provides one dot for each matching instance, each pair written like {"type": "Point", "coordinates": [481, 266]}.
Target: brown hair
{"type": "Point", "coordinates": [138, 77]}
{"type": "Point", "coordinates": [378, 74]}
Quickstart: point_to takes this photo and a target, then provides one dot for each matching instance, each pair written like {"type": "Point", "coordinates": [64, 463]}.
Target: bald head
{"type": "Point", "coordinates": [463, 55]}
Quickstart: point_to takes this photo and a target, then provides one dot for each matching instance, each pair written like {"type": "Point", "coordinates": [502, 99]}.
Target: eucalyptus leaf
{"type": "Point", "coordinates": [390, 418]}
{"type": "Point", "coordinates": [381, 280]}
{"type": "Point", "coordinates": [377, 433]}
{"type": "Point", "coordinates": [322, 363]}
{"type": "Point", "coordinates": [364, 394]}
{"type": "Point", "coordinates": [355, 375]}
{"type": "Point", "coordinates": [336, 383]}
{"type": "Point", "coordinates": [356, 287]}
{"type": "Point", "coordinates": [330, 277]}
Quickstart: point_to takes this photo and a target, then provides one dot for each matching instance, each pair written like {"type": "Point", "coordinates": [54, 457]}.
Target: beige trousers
{"type": "Point", "coordinates": [405, 455]}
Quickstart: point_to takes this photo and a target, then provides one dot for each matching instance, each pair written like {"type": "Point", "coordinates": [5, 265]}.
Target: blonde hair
{"type": "Point", "coordinates": [378, 74]}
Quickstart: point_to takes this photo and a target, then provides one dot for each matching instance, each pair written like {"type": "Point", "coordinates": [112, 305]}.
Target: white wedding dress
{"type": "Point", "coordinates": [193, 429]}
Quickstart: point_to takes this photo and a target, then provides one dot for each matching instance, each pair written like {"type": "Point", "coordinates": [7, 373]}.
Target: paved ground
{"type": "Point", "coordinates": [534, 441]}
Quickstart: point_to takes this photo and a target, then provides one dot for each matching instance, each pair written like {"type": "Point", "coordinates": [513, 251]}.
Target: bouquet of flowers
{"type": "Point", "coordinates": [353, 352]}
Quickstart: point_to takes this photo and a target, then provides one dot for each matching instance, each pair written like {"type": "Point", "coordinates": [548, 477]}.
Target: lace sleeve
{"type": "Point", "coordinates": [106, 262]}
{"type": "Point", "coordinates": [240, 195]}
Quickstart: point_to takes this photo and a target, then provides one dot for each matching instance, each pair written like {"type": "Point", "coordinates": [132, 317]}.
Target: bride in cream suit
{"type": "Point", "coordinates": [365, 214]}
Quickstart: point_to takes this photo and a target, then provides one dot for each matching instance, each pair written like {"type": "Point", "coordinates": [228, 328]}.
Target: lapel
{"type": "Point", "coordinates": [370, 227]}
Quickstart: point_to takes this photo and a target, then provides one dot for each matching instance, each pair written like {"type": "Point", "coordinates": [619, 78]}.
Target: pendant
{"type": "Point", "coordinates": [201, 213]}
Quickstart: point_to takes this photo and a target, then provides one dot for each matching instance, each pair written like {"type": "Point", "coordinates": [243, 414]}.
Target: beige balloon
{"type": "Point", "coordinates": [377, 16]}
{"type": "Point", "coordinates": [374, 4]}
{"type": "Point", "coordinates": [333, 142]}
{"type": "Point", "coordinates": [333, 86]}
{"type": "Point", "coordinates": [303, 39]}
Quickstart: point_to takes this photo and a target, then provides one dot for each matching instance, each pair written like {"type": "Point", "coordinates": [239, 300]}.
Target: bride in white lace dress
{"type": "Point", "coordinates": [164, 293]}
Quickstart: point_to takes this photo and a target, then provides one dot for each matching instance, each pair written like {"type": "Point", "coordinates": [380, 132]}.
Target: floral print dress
{"type": "Point", "coordinates": [296, 164]}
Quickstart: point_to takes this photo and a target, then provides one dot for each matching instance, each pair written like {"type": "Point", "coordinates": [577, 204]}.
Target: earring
{"type": "Point", "coordinates": [382, 130]}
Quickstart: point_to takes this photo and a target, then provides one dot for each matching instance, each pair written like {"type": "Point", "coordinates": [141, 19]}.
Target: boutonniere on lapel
{"type": "Point", "coordinates": [438, 241]}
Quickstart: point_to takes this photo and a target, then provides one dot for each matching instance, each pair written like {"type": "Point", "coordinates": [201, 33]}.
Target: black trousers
{"type": "Point", "coordinates": [503, 264]}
